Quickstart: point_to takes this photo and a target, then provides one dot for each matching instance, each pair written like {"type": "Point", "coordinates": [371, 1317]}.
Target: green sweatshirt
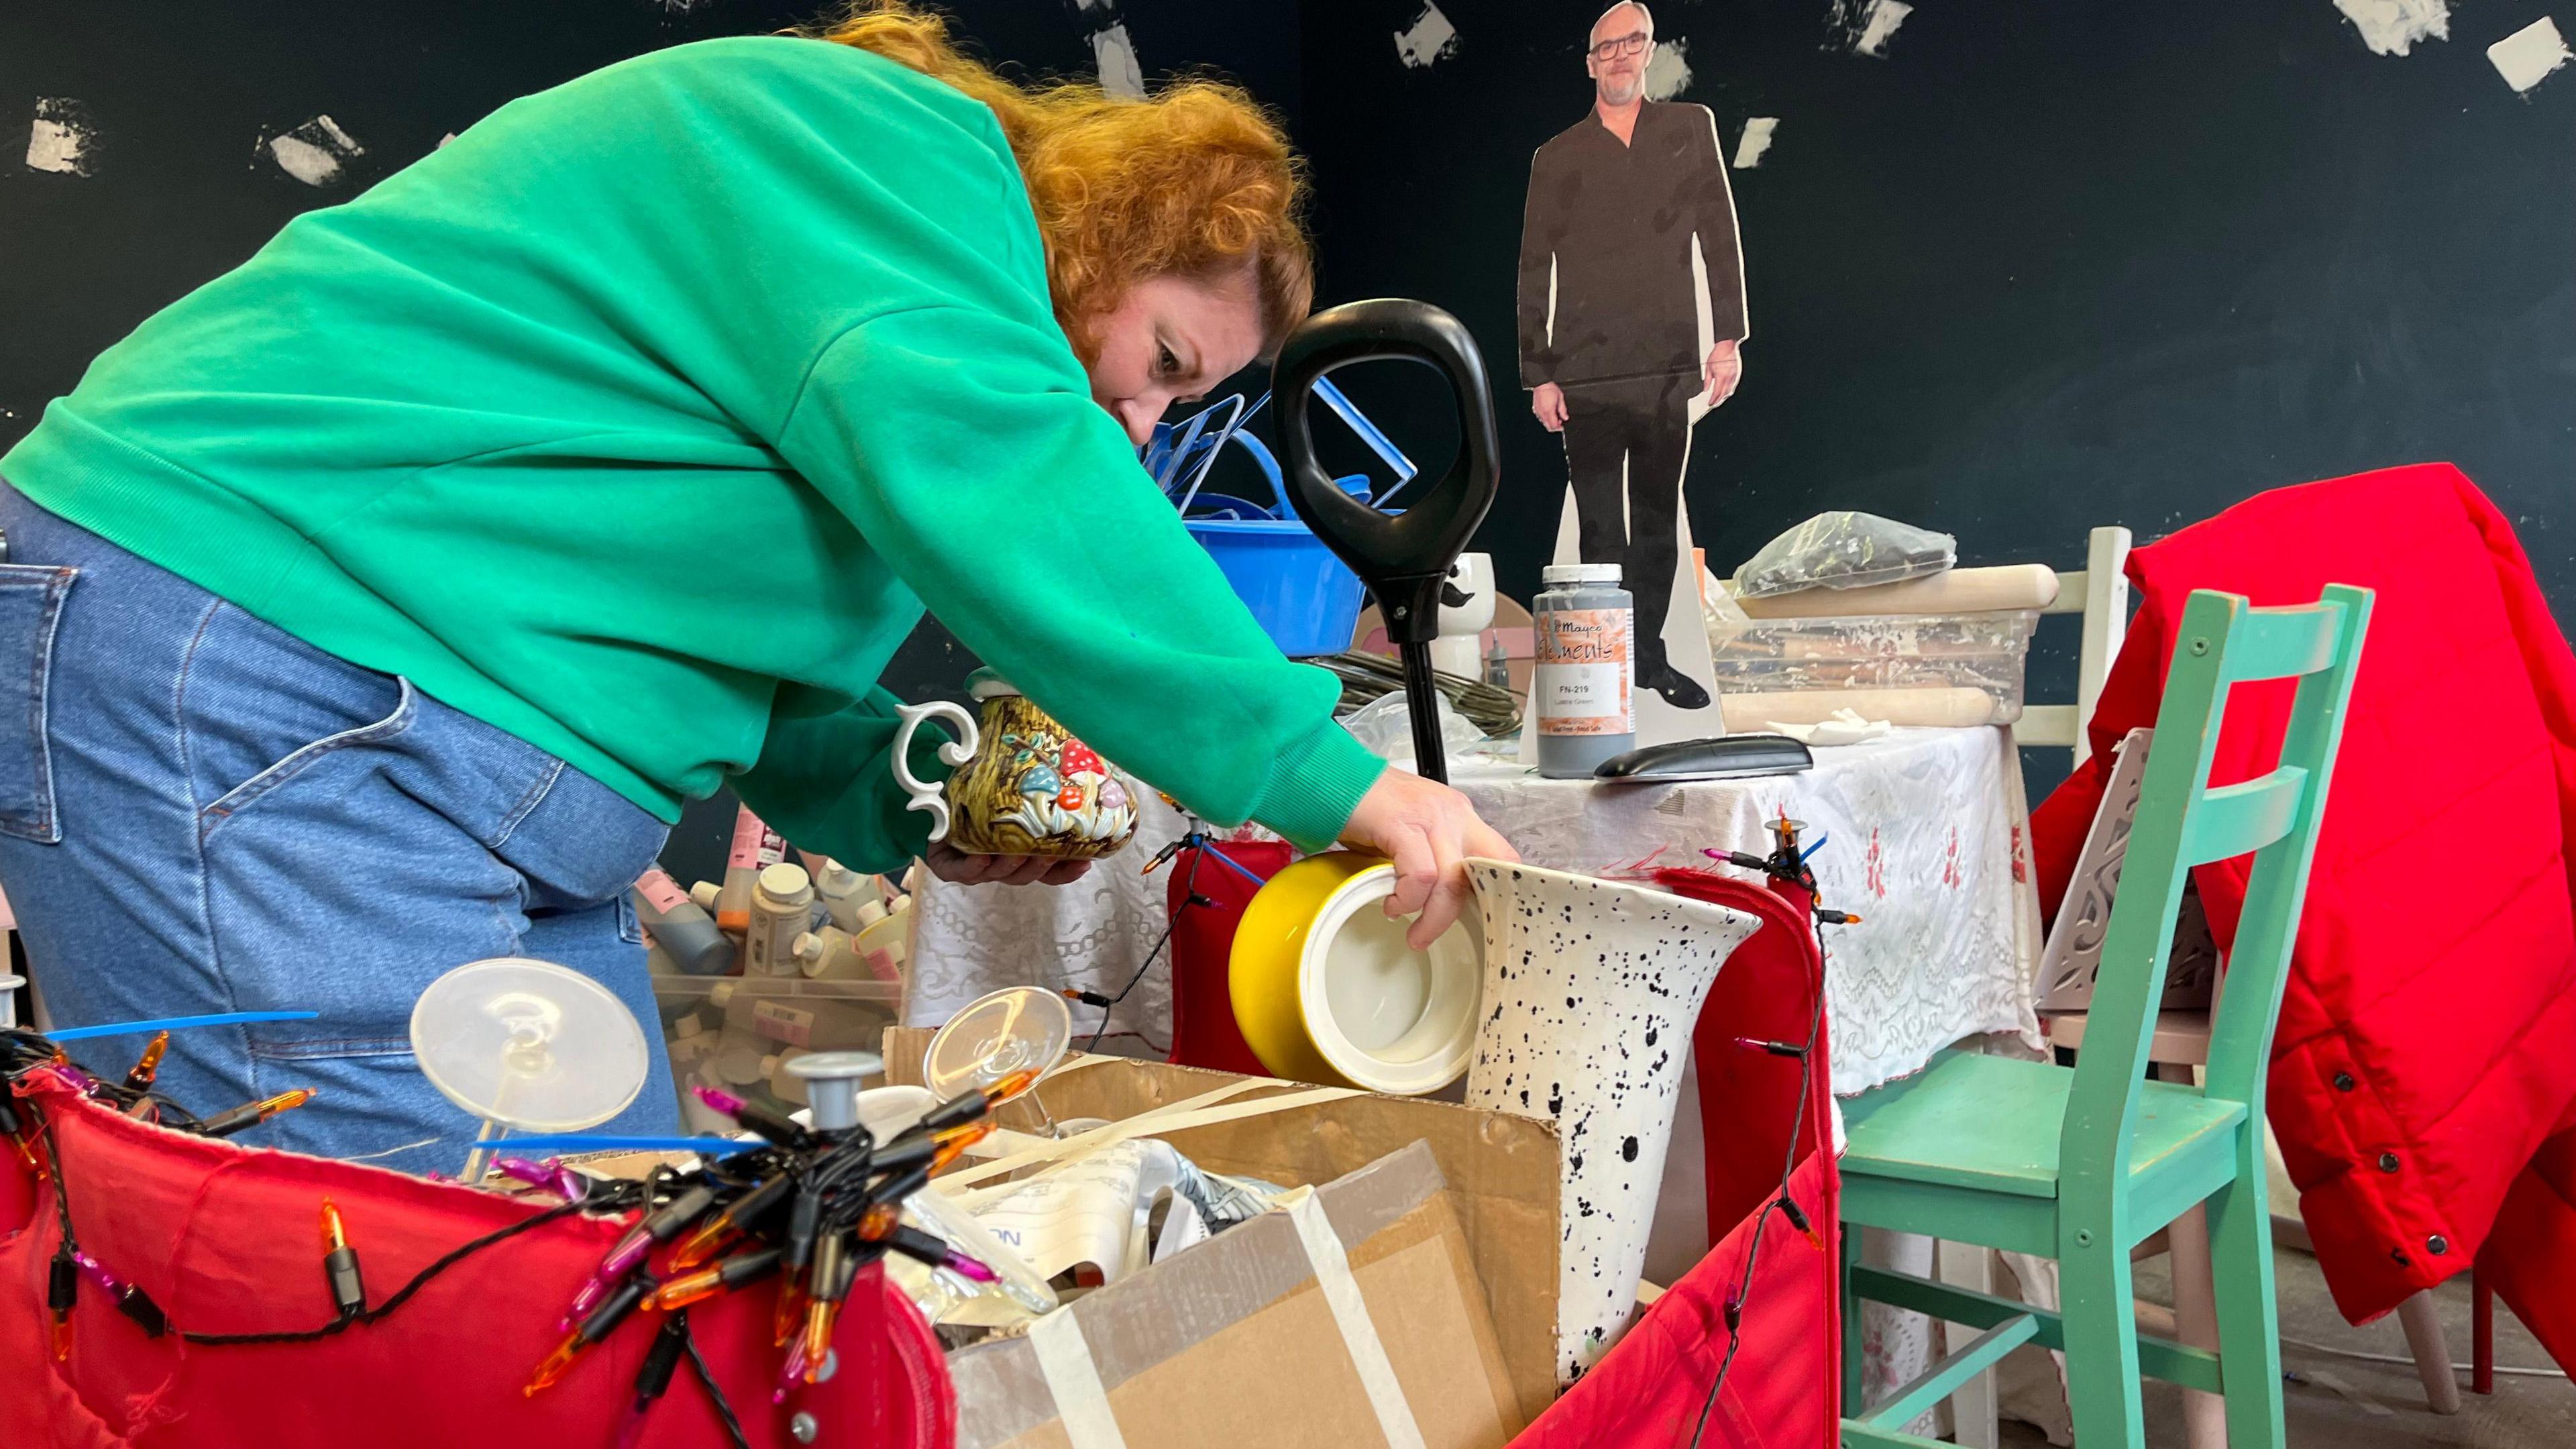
{"type": "Point", "coordinates": [642, 420]}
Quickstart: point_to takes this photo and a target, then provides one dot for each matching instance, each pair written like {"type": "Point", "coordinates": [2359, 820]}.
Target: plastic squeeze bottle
{"type": "Point", "coordinates": [825, 954]}
{"type": "Point", "coordinates": [1584, 690]}
{"type": "Point", "coordinates": [756, 847]}
{"type": "Point", "coordinates": [842, 891]}
{"type": "Point", "coordinates": [782, 905]}
{"type": "Point", "coordinates": [684, 931]}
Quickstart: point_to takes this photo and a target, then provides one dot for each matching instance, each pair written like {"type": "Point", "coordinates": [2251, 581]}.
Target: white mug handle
{"type": "Point", "coordinates": [925, 794]}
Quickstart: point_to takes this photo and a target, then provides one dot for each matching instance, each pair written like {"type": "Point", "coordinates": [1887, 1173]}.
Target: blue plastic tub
{"type": "Point", "coordinates": [1305, 599]}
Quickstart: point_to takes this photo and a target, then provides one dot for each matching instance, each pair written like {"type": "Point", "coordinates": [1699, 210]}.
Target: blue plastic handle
{"type": "Point", "coordinates": [606, 1142]}
{"type": "Point", "coordinates": [177, 1023]}
{"type": "Point", "coordinates": [1378, 442]}
{"type": "Point", "coordinates": [1230, 863]}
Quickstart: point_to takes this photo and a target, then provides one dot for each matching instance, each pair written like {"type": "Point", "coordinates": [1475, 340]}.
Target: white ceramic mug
{"type": "Point", "coordinates": [929, 795]}
{"type": "Point", "coordinates": [1459, 650]}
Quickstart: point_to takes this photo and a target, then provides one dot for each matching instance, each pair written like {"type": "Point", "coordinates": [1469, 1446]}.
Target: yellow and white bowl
{"type": "Point", "coordinates": [1326, 990]}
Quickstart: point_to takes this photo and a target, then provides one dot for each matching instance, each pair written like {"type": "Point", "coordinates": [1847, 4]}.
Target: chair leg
{"type": "Point", "coordinates": [1973, 1418]}
{"type": "Point", "coordinates": [2249, 1323]}
{"type": "Point", "coordinates": [2099, 1301]}
{"type": "Point", "coordinates": [1852, 1406]}
{"type": "Point", "coordinates": [2422, 1320]}
{"type": "Point", "coordinates": [2204, 1415]}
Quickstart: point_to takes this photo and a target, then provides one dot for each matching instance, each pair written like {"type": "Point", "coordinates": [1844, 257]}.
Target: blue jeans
{"type": "Point", "coordinates": [202, 813]}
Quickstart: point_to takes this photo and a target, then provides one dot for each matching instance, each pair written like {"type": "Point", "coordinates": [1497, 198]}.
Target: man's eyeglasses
{"type": "Point", "coordinates": [1623, 45]}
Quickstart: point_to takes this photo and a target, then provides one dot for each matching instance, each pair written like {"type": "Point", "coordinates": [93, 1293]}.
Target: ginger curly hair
{"type": "Point", "coordinates": [1196, 181]}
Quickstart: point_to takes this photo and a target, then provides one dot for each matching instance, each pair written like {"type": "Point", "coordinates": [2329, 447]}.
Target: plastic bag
{"type": "Point", "coordinates": [1386, 728]}
{"type": "Point", "coordinates": [1844, 550]}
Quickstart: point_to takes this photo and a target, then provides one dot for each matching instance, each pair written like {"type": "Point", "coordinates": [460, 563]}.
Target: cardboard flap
{"type": "Point", "coordinates": [1500, 1172]}
{"type": "Point", "coordinates": [1234, 1341]}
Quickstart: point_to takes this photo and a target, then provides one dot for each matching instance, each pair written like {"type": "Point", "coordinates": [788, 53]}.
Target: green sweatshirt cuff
{"type": "Point", "coordinates": [1316, 784]}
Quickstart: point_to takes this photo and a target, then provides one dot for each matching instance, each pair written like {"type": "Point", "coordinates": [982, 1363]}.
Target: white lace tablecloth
{"type": "Point", "coordinates": [1921, 838]}
{"type": "Point", "coordinates": [1092, 935]}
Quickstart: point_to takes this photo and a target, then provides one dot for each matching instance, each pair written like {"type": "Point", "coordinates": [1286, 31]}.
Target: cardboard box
{"type": "Point", "coordinates": [1499, 1171]}
{"type": "Point", "coordinates": [1238, 1341]}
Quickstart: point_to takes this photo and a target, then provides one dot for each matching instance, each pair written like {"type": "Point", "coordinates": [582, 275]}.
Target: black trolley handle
{"type": "Point", "coordinates": [1403, 559]}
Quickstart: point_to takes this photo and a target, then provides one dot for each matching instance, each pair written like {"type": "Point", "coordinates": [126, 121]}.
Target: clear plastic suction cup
{"type": "Point", "coordinates": [527, 1045]}
{"type": "Point", "coordinates": [1015, 1029]}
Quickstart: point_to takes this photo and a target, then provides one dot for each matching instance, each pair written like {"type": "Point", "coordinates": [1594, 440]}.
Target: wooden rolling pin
{"type": "Point", "coordinates": [1960, 591]}
{"type": "Point", "coordinates": [1957, 706]}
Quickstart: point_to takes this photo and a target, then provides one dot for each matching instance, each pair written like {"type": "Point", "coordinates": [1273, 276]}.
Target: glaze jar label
{"type": "Point", "coordinates": [1583, 672]}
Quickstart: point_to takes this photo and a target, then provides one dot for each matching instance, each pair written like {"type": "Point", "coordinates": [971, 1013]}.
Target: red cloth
{"type": "Point", "coordinates": [1784, 1390]}
{"type": "Point", "coordinates": [2424, 1074]}
{"type": "Point", "coordinates": [226, 1239]}
{"type": "Point", "coordinates": [1203, 1029]}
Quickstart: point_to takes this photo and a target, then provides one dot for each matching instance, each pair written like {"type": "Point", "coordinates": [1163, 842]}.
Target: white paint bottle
{"type": "Point", "coordinates": [782, 903]}
{"type": "Point", "coordinates": [842, 891]}
{"type": "Point", "coordinates": [826, 955]}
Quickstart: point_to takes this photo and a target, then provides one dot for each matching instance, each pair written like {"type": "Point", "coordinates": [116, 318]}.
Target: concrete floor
{"type": "Point", "coordinates": [2342, 1403]}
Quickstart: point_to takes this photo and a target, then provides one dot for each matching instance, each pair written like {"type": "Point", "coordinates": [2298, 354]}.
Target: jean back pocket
{"type": "Point", "coordinates": [31, 608]}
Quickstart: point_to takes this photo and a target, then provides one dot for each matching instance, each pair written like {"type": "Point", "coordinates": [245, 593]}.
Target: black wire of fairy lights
{"type": "Point", "coordinates": [1780, 1202]}
{"type": "Point", "coordinates": [1189, 897]}
{"type": "Point", "coordinates": [26, 1049]}
{"type": "Point", "coordinates": [715, 1392]}
{"type": "Point", "coordinates": [607, 1197]}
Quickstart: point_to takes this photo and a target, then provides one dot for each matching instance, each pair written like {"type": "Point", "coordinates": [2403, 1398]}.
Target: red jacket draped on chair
{"type": "Point", "coordinates": [2423, 1080]}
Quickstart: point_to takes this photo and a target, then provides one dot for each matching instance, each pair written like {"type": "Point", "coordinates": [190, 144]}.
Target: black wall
{"type": "Point", "coordinates": [2039, 268]}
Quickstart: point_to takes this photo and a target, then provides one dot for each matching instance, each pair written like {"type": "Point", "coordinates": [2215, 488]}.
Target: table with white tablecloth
{"type": "Point", "coordinates": [1918, 832]}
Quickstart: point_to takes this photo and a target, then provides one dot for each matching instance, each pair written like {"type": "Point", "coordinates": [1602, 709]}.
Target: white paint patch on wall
{"type": "Point", "coordinates": [1755, 140]}
{"type": "Point", "coordinates": [2388, 27]}
{"type": "Point", "coordinates": [1884, 17]}
{"type": "Point", "coordinates": [315, 153]}
{"type": "Point", "coordinates": [61, 139]}
{"type": "Point", "coordinates": [1864, 26]}
{"type": "Point", "coordinates": [1669, 73]}
{"type": "Point", "coordinates": [1120, 75]}
{"type": "Point", "coordinates": [2526, 57]}
{"type": "Point", "coordinates": [1431, 38]}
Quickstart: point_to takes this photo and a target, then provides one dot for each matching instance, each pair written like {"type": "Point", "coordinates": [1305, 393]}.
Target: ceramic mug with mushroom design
{"type": "Point", "coordinates": [1023, 786]}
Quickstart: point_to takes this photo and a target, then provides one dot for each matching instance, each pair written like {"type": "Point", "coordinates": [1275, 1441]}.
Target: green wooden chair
{"type": "Point", "coordinates": [2080, 1164]}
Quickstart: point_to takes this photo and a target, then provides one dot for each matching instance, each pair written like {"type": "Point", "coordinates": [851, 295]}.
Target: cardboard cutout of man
{"type": "Point", "coordinates": [1631, 320]}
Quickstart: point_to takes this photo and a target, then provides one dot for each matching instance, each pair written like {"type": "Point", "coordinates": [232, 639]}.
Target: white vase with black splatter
{"type": "Point", "coordinates": [1591, 990]}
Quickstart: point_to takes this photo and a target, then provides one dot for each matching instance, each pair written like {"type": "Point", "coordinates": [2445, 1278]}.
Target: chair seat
{"type": "Point", "coordinates": [1992, 1123]}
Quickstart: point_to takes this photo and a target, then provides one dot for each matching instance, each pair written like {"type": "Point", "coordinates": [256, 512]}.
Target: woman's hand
{"type": "Point", "coordinates": [1427, 829]}
{"type": "Point", "coordinates": [957, 867]}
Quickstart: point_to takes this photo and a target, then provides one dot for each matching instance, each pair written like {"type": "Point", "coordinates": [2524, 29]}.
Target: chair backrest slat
{"type": "Point", "coordinates": [2241, 819]}
{"type": "Point", "coordinates": [2282, 643]}
{"type": "Point", "coordinates": [2221, 641]}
